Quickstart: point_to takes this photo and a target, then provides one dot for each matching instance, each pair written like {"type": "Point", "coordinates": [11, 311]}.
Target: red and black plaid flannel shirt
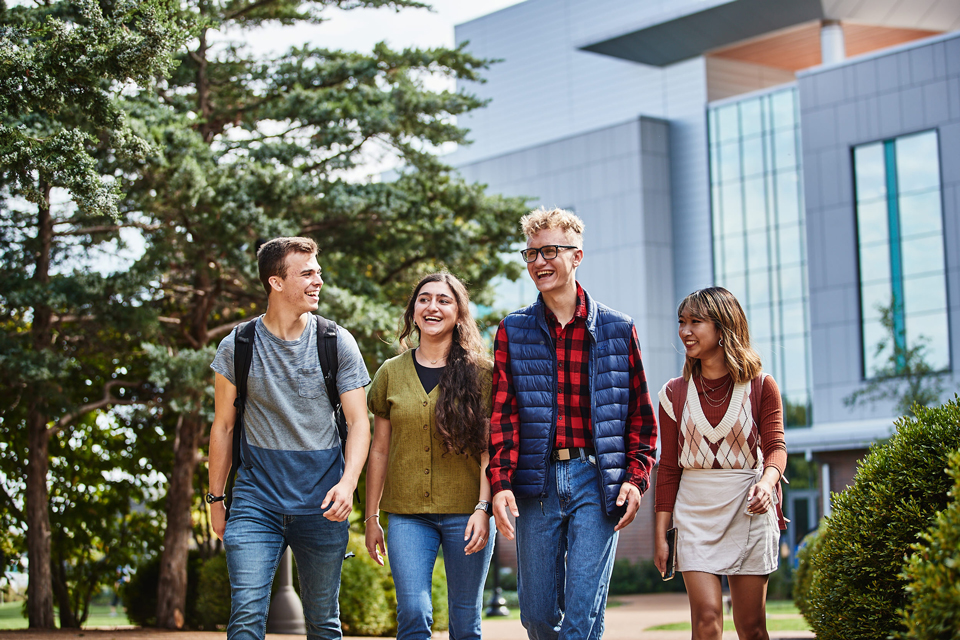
{"type": "Point", "coordinates": [574, 427]}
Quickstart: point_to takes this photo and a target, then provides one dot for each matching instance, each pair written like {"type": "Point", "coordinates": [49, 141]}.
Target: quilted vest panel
{"type": "Point", "coordinates": [533, 367]}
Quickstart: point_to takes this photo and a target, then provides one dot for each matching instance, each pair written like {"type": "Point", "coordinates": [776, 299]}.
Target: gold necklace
{"type": "Point", "coordinates": [711, 401]}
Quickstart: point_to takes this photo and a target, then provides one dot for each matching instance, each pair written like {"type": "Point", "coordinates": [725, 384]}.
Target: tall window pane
{"type": "Point", "coordinates": [759, 249]}
{"type": "Point", "coordinates": [903, 300]}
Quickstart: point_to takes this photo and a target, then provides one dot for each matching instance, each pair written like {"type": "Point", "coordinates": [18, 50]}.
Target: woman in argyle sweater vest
{"type": "Point", "coordinates": [722, 457]}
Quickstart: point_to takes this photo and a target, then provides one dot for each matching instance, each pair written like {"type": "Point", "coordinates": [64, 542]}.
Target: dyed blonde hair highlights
{"type": "Point", "coordinates": [723, 309]}
{"type": "Point", "coordinates": [540, 219]}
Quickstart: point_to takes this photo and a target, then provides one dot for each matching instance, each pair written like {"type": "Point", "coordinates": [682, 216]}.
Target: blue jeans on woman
{"type": "Point", "coordinates": [565, 545]}
{"type": "Point", "coordinates": [412, 544]}
{"type": "Point", "coordinates": [255, 540]}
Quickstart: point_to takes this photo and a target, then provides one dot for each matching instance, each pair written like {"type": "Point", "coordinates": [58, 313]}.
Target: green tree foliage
{"type": "Point", "coordinates": [62, 67]}
{"type": "Point", "coordinates": [250, 148]}
{"type": "Point", "coordinates": [932, 573]}
{"type": "Point", "coordinates": [905, 377]}
{"type": "Point", "coordinates": [857, 586]}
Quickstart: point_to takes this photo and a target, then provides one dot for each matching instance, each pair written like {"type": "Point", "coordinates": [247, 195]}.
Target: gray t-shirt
{"type": "Point", "coordinates": [291, 451]}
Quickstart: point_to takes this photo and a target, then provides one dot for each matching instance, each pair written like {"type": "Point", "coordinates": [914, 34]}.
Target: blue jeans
{"type": "Point", "coordinates": [255, 540]}
{"type": "Point", "coordinates": [565, 546]}
{"type": "Point", "coordinates": [412, 544]}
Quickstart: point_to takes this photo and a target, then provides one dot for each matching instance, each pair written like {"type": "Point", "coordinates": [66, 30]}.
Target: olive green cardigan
{"type": "Point", "coordinates": [422, 477]}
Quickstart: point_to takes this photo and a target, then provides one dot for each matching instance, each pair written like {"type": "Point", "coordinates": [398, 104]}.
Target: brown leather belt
{"type": "Point", "coordinates": [559, 455]}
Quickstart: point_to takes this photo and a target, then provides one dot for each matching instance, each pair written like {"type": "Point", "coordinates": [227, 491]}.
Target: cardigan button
{"type": "Point", "coordinates": [424, 403]}
{"type": "Point", "coordinates": [426, 471]}
{"type": "Point", "coordinates": [424, 427]}
{"type": "Point", "coordinates": [426, 448]}
{"type": "Point", "coordinates": [426, 494]}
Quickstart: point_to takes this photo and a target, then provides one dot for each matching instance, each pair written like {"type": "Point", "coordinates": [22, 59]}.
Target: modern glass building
{"type": "Point", "coordinates": [805, 155]}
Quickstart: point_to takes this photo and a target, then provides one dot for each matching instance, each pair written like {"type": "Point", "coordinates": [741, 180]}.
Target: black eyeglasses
{"type": "Point", "coordinates": [548, 252]}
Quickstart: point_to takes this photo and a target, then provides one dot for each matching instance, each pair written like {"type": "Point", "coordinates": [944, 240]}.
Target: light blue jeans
{"type": "Point", "coordinates": [255, 540]}
{"type": "Point", "coordinates": [566, 546]}
{"type": "Point", "coordinates": [412, 544]}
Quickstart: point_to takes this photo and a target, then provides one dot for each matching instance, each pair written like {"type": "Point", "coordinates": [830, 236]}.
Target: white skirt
{"type": "Point", "coordinates": [714, 534]}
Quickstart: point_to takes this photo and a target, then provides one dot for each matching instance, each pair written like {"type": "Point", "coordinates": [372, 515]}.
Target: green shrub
{"type": "Point", "coordinates": [213, 603]}
{"type": "Point", "coordinates": [933, 573]}
{"type": "Point", "coordinates": [857, 589]}
{"type": "Point", "coordinates": [441, 614]}
{"type": "Point", "coordinates": [640, 577]}
{"type": "Point", "coordinates": [780, 585]}
{"type": "Point", "coordinates": [368, 601]}
{"type": "Point", "coordinates": [139, 595]}
{"type": "Point", "coordinates": [803, 577]}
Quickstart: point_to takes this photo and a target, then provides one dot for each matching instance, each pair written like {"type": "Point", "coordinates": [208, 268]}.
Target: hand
{"type": "Point", "coordinates": [477, 532]}
{"type": "Point", "coordinates": [374, 541]}
{"type": "Point", "coordinates": [660, 553]}
{"type": "Point", "coordinates": [218, 518]}
{"type": "Point", "coordinates": [760, 498]}
{"type": "Point", "coordinates": [340, 499]}
{"type": "Point", "coordinates": [629, 495]}
{"type": "Point", "coordinates": [503, 503]}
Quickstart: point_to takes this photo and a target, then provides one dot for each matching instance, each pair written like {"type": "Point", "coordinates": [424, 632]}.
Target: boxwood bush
{"type": "Point", "coordinates": [933, 573]}
{"type": "Point", "coordinates": [368, 599]}
{"type": "Point", "coordinates": [857, 588]}
{"type": "Point", "coordinates": [803, 577]}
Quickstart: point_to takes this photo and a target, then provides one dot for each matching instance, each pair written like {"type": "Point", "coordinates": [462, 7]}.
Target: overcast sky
{"type": "Point", "coordinates": [360, 29]}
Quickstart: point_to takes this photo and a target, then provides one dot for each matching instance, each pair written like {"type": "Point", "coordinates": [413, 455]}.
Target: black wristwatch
{"type": "Point", "coordinates": [210, 498]}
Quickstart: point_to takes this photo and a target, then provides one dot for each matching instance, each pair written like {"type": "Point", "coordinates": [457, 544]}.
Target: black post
{"type": "Point", "coordinates": [286, 611]}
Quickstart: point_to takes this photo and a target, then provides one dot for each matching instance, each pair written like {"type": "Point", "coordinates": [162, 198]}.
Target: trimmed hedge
{"type": "Point", "coordinates": [368, 599]}
{"type": "Point", "coordinates": [933, 573]}
{"type": "Point", "coordinates": [213, 603]}
{"type": "Point", "coordinates": [857, 589]}
{"type": "Point", "coordinates": [640, 577]}
{"type": "Point", "coordinates": [139, 595]}
{"type": "Point", "coordinates": [803, 577]}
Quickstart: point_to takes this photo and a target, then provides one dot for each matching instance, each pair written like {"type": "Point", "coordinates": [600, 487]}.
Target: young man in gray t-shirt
{"type": "Point", "coordinates": [293, 488]}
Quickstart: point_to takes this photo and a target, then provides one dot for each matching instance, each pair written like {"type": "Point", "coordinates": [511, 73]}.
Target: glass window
{"type": "Point", "coordinates": [788, 196]}
{"type": "Point", "coordinates": [901, 254]}
{"type": "Point", "coordinates": [759, 234]}
{"type": "Point", "coordinates": [730, 161]}
{"type": "Point", "coordinates": [753, 156]}
{"type": "Point", "coordinates": [751, 119]}
{"type": "Point", "coordinates": [918, 163]}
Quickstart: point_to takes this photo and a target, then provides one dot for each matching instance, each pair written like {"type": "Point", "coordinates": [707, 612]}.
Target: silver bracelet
{"type": "Point", "coordinates": [376, 515]}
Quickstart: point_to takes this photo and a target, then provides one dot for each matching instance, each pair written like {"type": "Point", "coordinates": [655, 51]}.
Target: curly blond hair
{"type": "Point", "coordinates": [542, 218]}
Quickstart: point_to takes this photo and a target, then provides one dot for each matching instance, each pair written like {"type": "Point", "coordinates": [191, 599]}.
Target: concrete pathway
{"type": "Point", "coordinates": [628, 621]}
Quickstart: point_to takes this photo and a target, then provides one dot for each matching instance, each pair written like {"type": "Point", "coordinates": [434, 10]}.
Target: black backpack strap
{"type": "Point", "coordinates": [242, 357]}
{"type": "Point", "coordinates": [330, 363]}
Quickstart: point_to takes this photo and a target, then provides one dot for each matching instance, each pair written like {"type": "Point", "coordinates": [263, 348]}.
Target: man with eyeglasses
{"type": "Point", "coordinates": [572, 436]}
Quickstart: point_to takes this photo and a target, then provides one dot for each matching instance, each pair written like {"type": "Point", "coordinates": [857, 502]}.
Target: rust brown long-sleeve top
{"type": "Point", "coordinates": [770, 442]}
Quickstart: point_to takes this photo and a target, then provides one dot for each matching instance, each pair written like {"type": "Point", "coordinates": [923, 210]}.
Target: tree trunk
{"type": "Point", "coordinates": [58, 574]}
{"type": "Point", "coordinates": [40, 585]}
{"type": "Point", "coordinates": [172, 588]}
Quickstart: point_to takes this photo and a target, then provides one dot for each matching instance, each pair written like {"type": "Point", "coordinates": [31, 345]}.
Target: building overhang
{"type": "Point", "coordinates": [692, 34]}
{"type": "Point", "coordinates": [838, 436]}
{"type": "Point", "coordinates": [710, 25]}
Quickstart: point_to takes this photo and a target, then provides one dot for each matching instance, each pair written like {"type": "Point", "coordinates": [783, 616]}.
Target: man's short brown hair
{"type": "Point", "coordinates": [272, 257]}
{"type": "Point", "coordinates": [542, 218]}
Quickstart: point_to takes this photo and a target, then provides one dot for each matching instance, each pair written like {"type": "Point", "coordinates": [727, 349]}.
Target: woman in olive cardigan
{"type": "Point", "coordinates": [428, 459]}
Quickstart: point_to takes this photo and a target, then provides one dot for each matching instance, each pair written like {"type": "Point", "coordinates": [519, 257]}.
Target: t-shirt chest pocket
{"type": "Point", "coordinates": [310, 382]}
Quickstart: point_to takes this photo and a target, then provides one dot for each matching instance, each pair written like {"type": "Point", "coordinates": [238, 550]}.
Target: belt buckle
{"type": "Point", "coordinates": [561, 455]}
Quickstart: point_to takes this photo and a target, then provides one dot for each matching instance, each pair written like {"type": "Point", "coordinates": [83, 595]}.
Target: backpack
{"type": "Point", "coordinates": [243, 356]}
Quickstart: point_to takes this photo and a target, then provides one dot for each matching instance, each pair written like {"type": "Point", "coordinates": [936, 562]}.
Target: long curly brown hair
{"type": "Point", "coordinates": [463, 423]}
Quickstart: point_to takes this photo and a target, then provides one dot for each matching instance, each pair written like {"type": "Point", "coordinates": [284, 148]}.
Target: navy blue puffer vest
{"type": "Point", "coordinates": [533, 365]}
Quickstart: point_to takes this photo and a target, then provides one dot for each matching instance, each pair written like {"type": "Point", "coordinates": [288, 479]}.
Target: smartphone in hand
{"type": "Point", "coordinates": [671, 554]}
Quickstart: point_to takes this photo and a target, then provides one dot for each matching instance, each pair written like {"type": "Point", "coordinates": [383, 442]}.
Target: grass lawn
{"type": "Point", "coordinates": [788, 619]}
{"type": "Point", "coordinates": [11, 617]}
